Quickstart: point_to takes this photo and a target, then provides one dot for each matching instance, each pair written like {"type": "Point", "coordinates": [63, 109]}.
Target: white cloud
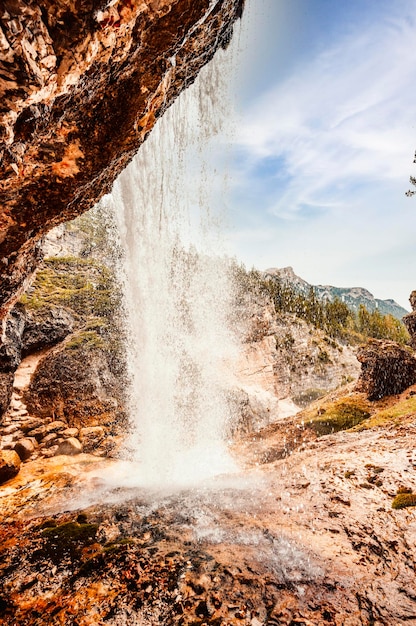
{"type": "Point", "coordinates": [345, 118]}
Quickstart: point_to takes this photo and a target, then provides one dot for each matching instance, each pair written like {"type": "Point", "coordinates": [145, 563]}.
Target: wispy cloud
{"type": "Point", "coordinates": [345, 119]}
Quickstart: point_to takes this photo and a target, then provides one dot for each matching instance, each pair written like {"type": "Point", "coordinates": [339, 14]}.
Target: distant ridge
{"type": "Point", "coordinates": [352, 296]}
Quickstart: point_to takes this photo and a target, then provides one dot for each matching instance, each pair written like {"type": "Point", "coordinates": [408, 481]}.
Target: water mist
{"type": "Point", "coordinates": [177, 293]}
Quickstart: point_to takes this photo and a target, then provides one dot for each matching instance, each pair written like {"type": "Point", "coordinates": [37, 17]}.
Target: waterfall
{"type": "Point", "coordinates": [178, 291]}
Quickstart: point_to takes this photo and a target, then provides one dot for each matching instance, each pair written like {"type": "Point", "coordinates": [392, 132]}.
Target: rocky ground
{"type": "Point", "coordinates": [308, 537]}
{"type": "Point", "coordinates": [317, 527]}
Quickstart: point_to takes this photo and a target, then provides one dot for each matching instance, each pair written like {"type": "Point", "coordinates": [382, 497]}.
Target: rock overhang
{"type": "Point", "coordinates": [82, 85]}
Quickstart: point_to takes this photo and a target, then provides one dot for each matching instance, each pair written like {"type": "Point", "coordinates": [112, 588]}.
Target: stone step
{"type": "Point", "coordinates": [9, 430]}
{"type": "Point", "coordinates": [20, 411]}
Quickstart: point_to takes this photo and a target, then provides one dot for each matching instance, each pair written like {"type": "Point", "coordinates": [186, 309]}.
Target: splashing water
{"type": "Point", "coordinates": [177, 294]}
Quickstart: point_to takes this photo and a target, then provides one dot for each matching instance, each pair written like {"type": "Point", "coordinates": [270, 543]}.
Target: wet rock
{"type": "Point", "coordinates": [91, 437]}
{"type": "Point", "coordinates": [386, 369]}
{"type": "Point", "coordinates": [69, 446]}
{"type": "Point", "coordinates": [109, 447]}
{"type": "Point", "coordinates": [70, 432]}
{"type": "Point", "coordinates": [46, 429]}
{"type": "Point", "coordinates": [45, 328]}
{"type": "Point", "coordinates": [9, 465]}
{"type": "Point", "coordinates": [24, 448]}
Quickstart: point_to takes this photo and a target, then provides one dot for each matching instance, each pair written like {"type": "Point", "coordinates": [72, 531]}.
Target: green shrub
{"type": "Point", "coordinates": [404, 500]}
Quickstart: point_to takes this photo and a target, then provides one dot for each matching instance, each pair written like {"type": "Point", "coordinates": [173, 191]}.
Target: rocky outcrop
{"type": "Point", "coordinates": [76, 384]}
{"type": "Point", "coordinates": [284, 363]}
{"type": "Point", "coordinates": [386, 369]}
{"type": "Point", "coordinates": [45, 329]}
{"type": "Point", "coordinates": [6, 390]}
{"type": "Point", "coordinates": [33, 437]}
{"type": "Point", "coordinates": [11, 340]}
{"type": "Point", "coordinates": [82, 84]}
{"type": "Point", "coordinates": [25, 332]}
{"type": "Point", "coordinates": [10, 354]}
{"type": "Point", "coordinates": [409, 320]}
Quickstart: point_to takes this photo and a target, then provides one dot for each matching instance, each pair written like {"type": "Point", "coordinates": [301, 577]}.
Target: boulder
{"type": "Point", "coordinates": [49, 440]}
{"type": "Point", "coordinates": [91, 437]}
{"type": "Point", "coordinates": [70, 432]}
{"type": "Point", "coordinates": [9, 465]}
{"type": "Point", "coordinates": [24, 448]}
{"type": "Point", "coordinates": [78, 385]}
{"type": "Point", "coordinates": [386, 369]}
{"type": "Point", "coordinates": [45, 328]}
{"type": "Point", "coordinates": [30, 424]}
{"type": "Point", "coordinates": [70, 447]}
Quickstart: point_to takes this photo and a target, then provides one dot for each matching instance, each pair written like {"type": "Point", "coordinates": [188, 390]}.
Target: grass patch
{"type": "Point", "coordinates": [341, 415]}
{"type": "Point", "coordinates": [115, 546]}
{"type": "Point", "coordinates": [391, 415]}
{"type": "Point", "coordinates": [67, 540]}
{"type": "Point", "coordinates": [86, 339]}
{"type": "Point", "coordinates": [83, 285]}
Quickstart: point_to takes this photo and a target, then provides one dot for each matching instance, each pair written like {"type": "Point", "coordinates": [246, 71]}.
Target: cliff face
{"type": "Point", "coordinates": [82, 83]}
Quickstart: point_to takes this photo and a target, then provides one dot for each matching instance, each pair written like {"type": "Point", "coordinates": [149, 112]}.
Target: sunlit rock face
{"type": "Point", "coordinates": [82, 83]}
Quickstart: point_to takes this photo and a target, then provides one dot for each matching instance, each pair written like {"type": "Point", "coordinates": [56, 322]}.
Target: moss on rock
{"type": "Point", "coordinates": [341, 415]}
{"type": "Point", "coordinates": [404, 500]}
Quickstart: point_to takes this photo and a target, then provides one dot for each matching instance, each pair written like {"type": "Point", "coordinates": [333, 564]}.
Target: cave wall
{"type": "Point", "coordinates": [82, 83]}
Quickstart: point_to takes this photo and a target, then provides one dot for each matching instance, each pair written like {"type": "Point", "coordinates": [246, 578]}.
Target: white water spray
{"type": "Point", "coordinates": [177, 294]}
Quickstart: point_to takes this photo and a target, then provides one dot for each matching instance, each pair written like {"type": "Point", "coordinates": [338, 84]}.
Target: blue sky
{"type": "Point", "coordinates": [324, 142]}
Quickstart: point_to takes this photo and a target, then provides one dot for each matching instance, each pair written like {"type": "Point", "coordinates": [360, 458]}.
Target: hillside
{"type": "Point", "coordinates": [351, 296]}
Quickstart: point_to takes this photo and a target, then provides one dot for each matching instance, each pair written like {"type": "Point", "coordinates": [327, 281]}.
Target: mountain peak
{"type": "Point", "coordinates": [352, 296]}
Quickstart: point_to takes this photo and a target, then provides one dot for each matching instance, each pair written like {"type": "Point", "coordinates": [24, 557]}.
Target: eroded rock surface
{"type": "Point", "coordinates": [77, 386]}
{"type": "Point", "coordinates": [81, 85]}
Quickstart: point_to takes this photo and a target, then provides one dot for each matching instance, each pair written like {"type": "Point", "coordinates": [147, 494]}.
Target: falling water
{"type": "Point", "coordinates": [177, 293]}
